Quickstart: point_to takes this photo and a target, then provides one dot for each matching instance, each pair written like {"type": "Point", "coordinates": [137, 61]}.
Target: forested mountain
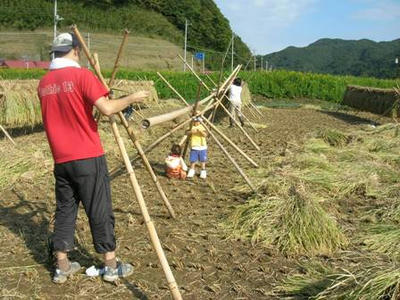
{"type": "Point", "coordinates": [342, 57]}
{"type": "Point", "coordinates": [209, 30]}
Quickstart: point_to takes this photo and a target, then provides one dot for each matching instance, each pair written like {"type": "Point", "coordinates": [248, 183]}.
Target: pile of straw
{"type": "Point", "coordinates": [286, 217]}
{"type": "Point", "coordinates": [124, 87]}
{"type": "Point", "coordinates": [19, 103]}
{"type": "Point", "coordinates": [374, 100]}
{"type": "Point", "coordinates": [246, 94]}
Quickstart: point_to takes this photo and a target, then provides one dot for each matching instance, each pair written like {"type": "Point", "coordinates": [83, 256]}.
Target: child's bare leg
{"type": "Point", "coordinates": [192, 165]}
{"type": "Point", "coordinates": [203, 165]}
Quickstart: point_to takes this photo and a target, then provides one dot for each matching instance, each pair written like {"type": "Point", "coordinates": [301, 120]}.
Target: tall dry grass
{"type": "Point", "coordinates": [353, 179]}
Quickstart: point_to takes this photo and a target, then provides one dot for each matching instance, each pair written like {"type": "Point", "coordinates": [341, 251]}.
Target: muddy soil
{"type": "Point", "coordinates": [205, 262]}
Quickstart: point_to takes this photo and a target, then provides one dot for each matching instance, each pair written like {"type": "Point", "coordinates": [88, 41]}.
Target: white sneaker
{"type": "Point", "coordinates": [203, 174]}
{"type": "Point", "coordinates": [190, 173]}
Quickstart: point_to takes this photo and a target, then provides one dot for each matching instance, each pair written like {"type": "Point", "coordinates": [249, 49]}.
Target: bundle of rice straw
{"type": "Point", "coordinates": [124, 87]}
{"type": "Point", "coordinates": [19, 103]}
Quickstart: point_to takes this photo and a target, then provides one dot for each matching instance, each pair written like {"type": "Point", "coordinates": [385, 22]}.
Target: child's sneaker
{"type": "Point", "coordinates": [122, 270]}
{"type": "Point", "coordinates": [190, 173]}
{"type": "Point", "coordinates": [61, 276]}
{"type": "Point", "coordinates": [203, 174]}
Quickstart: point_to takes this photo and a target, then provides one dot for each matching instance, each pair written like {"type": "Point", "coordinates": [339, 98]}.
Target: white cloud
{"type": "Point", "coordinates": [380, 11]}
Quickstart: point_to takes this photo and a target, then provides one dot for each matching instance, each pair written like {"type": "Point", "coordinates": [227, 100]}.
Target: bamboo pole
{"type": "Point", "coordinates": [117, 60]}
{"type": "Point", "coordinates": [210, 79]}
{"type": "Point", "coordinates": [173, 287]}
{"type": "Point", "coordinates": [7, 135]}
{"type": "Point", "coordinates": [155, 120]}
{"type": "Point", "coordinates": [229, 141]}
{"type": "Point", "coordinates": [252, 112]}
{"type": "Point", "coordinates": [256, 109]}
{"type": "Point", "coordinates": [132, 135]}
{"type": "Point", "coordinates": [194, 111]}
{"type": "Point", "coordinates": [115, 68]}
{"type": "Point", "coordinates": [224, 87]}
{"type": "Point", "coordinates": [172, 88]}
{"type": "Point", "coordinates": [229, 157]}
{"type": "Point", "coordinates": [240, 127]}
{"type": "Point", "coordinates": [194, 73]}
{"type": "Point", "coordinates": [249, 122]}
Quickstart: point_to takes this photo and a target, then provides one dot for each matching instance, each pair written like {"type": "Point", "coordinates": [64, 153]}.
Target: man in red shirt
{"type": "Point", "coordinates": [67, 95]}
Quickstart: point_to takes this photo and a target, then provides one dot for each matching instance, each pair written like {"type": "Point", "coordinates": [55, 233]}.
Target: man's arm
{"type": "Point", "coordinates": [109, 107]}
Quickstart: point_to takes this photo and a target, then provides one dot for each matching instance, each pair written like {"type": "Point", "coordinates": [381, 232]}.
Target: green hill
{"type": "Point", "coordinates": [341, 57]}
{"type": "Point", "coordinates": [209, 30]}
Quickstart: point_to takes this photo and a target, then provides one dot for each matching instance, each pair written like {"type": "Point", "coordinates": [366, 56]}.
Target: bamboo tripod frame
{"type": "Point", "coordinates": [223, 88]}
{"type": "Point", "coordinates": [229, 141]}
{"type": "Point", "coordinates": [119, 170]}
{"type": "Point", "coordinates": [235, 164]}
{"type": "Point", "coordinates": [173, 287]}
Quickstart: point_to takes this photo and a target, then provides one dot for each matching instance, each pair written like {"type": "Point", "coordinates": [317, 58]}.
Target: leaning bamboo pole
{"type": "Point", "coordinates": [194, 73]}
{"type": "Point", "coordinates": [115, 68]}
{"type": "Point", "coordinates": [172, 88]}
{"type": "Point", "coordinates": [230, 142]}
{"type": "Point", "coordinates": [256, 108]}
{"type": "Point", "coordinates": [7, 135]}
{"type": "Point", "coordinates": [229, 157]}
{"type": "Point", "coordinates": [117, 60]}
{"type": "Point", "coordinates": [252, 112]}
{"type": "Point", "coordinates": [149, 223]}
{"type": "Point", "coordinates": [210, 79]}
{"type": "Point", "coordinates": [194, 111]}
{"type": "Point", "coordinates": [131, 133]}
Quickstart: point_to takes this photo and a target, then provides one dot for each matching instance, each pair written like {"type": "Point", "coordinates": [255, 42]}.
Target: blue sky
{"type": "Point", "coordinates": [271, 25]}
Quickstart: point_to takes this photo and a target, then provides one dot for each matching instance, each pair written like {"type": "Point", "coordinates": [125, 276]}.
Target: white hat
{"type": "Point", "coordinates": [198, 119]}
{"type": "Point", "coordinates": [64, 42]}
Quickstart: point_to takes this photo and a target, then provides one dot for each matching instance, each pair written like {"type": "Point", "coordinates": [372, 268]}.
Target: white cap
{"type": "Point", "coordinates": [64, 42]}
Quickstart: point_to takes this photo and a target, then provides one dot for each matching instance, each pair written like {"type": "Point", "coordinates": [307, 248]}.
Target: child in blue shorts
{"type": "Point", "coordinates": [198, 148]}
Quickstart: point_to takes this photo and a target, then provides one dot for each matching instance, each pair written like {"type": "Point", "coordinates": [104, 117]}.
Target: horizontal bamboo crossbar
{"type": "Point", "coordinates": [152, 121]}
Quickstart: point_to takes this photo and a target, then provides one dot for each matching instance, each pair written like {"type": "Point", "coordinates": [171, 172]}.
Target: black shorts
{"type": "Point", "coordinates": [83, 181]}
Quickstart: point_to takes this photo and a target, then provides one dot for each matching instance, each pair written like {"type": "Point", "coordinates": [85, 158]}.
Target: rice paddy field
{"type": "Point", "coordinates": [322, 224]}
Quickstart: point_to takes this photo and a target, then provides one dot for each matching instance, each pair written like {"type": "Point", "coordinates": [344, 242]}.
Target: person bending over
{"type": "Point", "coordinates": [235, 108]}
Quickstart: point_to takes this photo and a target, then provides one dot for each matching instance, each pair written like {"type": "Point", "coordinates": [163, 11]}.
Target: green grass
{"type": "Point", "coordinates": [276, 84]}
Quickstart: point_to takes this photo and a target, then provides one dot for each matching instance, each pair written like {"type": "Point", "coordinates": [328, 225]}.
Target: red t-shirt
{"type": "Point", "coordinates": [67, 97]}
